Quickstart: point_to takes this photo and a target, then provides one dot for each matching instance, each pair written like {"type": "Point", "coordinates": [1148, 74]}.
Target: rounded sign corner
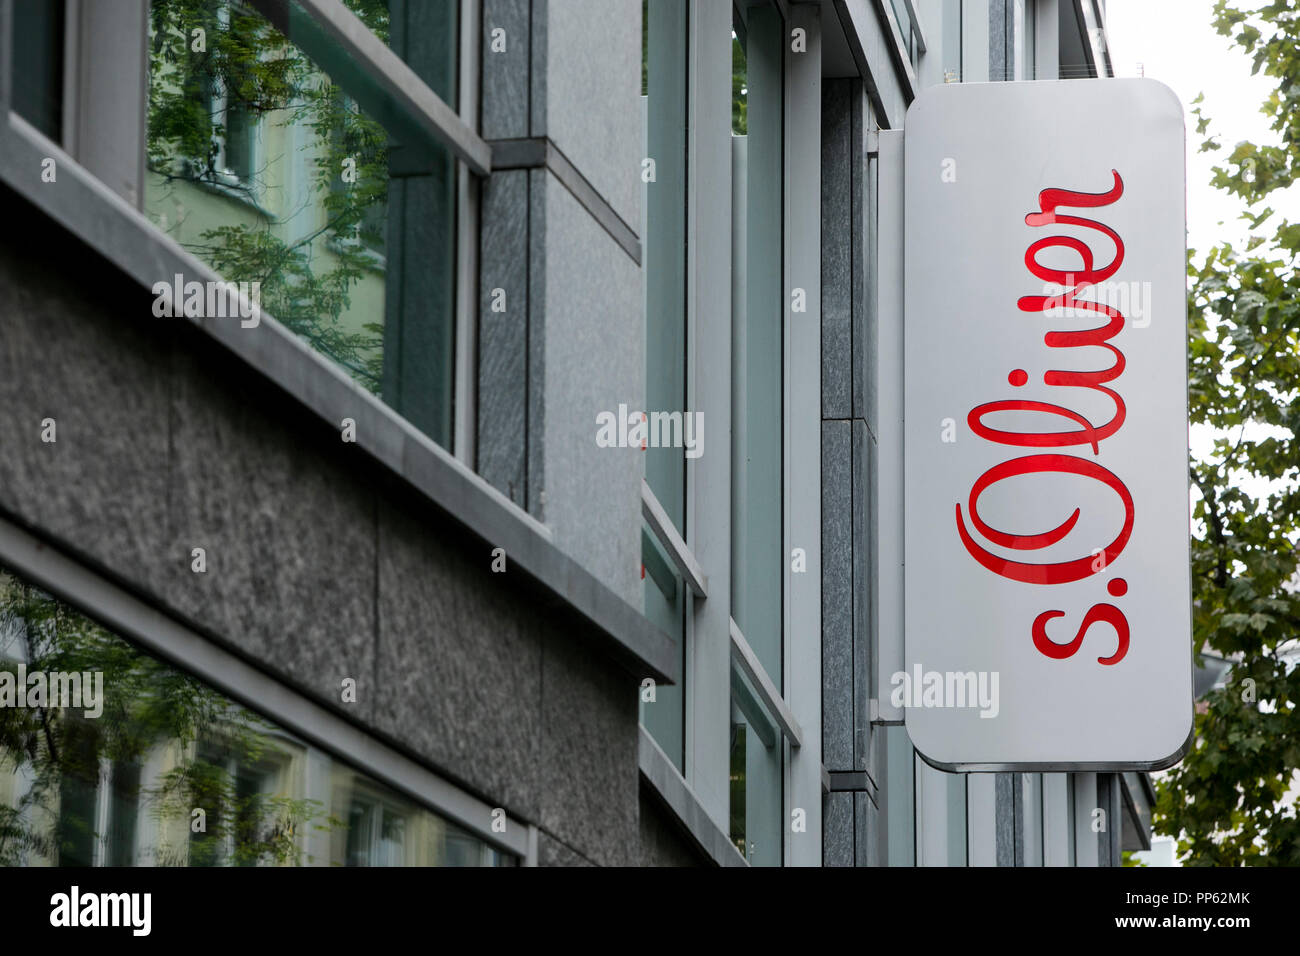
{"type": "Point", "coordinates": [941, 765]}
{"type": "Point", "coordinates": [1160, 88]}
{"type": "Point", "coordinates": [1164, 763]}
{"type": "Point", "coordinates": [921, 747]}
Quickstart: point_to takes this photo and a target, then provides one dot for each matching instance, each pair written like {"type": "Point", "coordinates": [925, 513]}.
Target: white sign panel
{"type": "Point", "coordinates": [1048, 605]}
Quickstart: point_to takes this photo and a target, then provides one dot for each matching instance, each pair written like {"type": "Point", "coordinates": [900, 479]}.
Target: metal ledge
{"type": "Point", "coordinates": [898, 50]}
{"type": "Point", "coordinates": [124, 237]}
{"type": "Point", "coordinates": [917, 27]}
{"type": "Point", "coordinates": [745, 659]}
{"type": "Point", "coordinates": [672, 789]}
{"type": "Point", "coordinates": [663, 529]}
{"type": "Point", "coordinates": [853, 17]}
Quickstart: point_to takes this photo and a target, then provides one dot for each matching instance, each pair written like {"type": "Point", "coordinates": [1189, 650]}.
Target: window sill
{"type": "Point", "coordinates": [672, 789]}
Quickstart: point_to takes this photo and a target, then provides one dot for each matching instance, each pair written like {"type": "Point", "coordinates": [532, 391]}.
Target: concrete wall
{"type": "Point", "coordinates": [320, 566]}
{"type": "Point", "coordinates": [571, 343]}
{"type": "Point", "coordinates": [848, 441]}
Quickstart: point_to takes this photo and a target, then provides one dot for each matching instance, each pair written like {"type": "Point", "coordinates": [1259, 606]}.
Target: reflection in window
{"type": "Point", "coordinates": [262, 164]}
{"type": "Point", "coordinates": [173, 773]}
{"type": "Point", "coordinates": [375, 833]}
{"type": "Point", "coordinates": [739, 81]}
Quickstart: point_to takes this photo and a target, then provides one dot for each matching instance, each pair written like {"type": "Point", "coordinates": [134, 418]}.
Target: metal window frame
{"type": "Point", "coordinates": [395, 79]}
{"type": "Point", "coordinates": [464, 429]}
{"type": "Point", "coordinates": [887, 657]}
{"type": "Point", "coordinates": [801, 433]}
{"type": "Point", "coordinates": [71, 72]}
{"type": "Point", "coordinates": [917, 30]}
{"type": "Point", "coordinates": [898, 49]}
{"type": "Point", "coordinates": [163, 636]}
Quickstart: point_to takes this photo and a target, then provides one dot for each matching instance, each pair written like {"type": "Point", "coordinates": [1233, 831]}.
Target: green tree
{"type": "Point", "coordinates": [1225, 799]}
{"type": "Point", "coordinates": [145, 703]}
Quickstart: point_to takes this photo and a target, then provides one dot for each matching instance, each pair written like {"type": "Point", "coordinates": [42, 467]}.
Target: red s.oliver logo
{"type": "Point", "coordinates": [1083, 433]}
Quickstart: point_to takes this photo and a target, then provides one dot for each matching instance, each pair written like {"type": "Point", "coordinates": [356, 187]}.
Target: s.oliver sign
{"type": "Point", "coordinates": [1048, 606]}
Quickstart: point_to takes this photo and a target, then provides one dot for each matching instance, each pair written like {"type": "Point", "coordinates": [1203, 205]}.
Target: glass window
{"type": "Point", "coordinates": [277, 161]}
{"type": "Point", "coordinates": [940, 814]}
{"type": "Point", "coordinates": [906, 29]}
{"type": "Point", "coordinates": [1071, 810]}
{"type": "Point", "coordinates": [132, 762]}
{"type": "Point", "coordinates": [756, 780]}
{"type": "Point", "coordinates": [900, 797]}
{"type": "Point", "coordinates": [664, 46]}
{"type": "Point", "coordinates": [950, 16]}
{"type": "Point", "coordinates": [955, 784]}
{"type": "Point", "coordinates": [38, 64]}
{"type": "Point", "coordinates": [758, 312]}
{"type": "Point", "coordinates": [739, 82]}
{"type": "Point", "coordinates": [1030, 818]}
{"type": "Point", "coordinates": [1026, 47]}
{"type": "Point", "coordinates": [757, 119]}
{"type": "Point", "coordinates": [665, 247]}
{"type": "Point", "coordinates": [665, 606]}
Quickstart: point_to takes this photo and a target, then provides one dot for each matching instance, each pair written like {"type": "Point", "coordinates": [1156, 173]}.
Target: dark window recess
{"type": "Point", "coordinates": [38, 31]}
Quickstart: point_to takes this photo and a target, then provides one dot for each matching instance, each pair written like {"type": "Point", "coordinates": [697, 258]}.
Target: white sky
{"type": "Point", "coordinates": [1175, 43]}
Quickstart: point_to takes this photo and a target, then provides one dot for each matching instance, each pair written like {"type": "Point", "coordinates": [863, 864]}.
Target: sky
{"type": "Point", "coordinates": [1173, 41]}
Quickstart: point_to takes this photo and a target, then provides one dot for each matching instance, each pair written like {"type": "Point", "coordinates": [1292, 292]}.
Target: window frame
{"type": "Point", "coordinates": [718, 656]}
{"type": "Point", "coordinates": [455, 126]}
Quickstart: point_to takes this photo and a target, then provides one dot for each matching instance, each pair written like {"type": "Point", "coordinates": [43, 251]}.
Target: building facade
{"type": "Point", "coordinates": [452, 433]}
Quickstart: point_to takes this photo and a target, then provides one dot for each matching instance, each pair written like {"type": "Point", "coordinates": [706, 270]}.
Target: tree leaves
{"type": "Point", "coordinates": [144, 702]}
{"type": "Point", "coordinates": [1224, 800]}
